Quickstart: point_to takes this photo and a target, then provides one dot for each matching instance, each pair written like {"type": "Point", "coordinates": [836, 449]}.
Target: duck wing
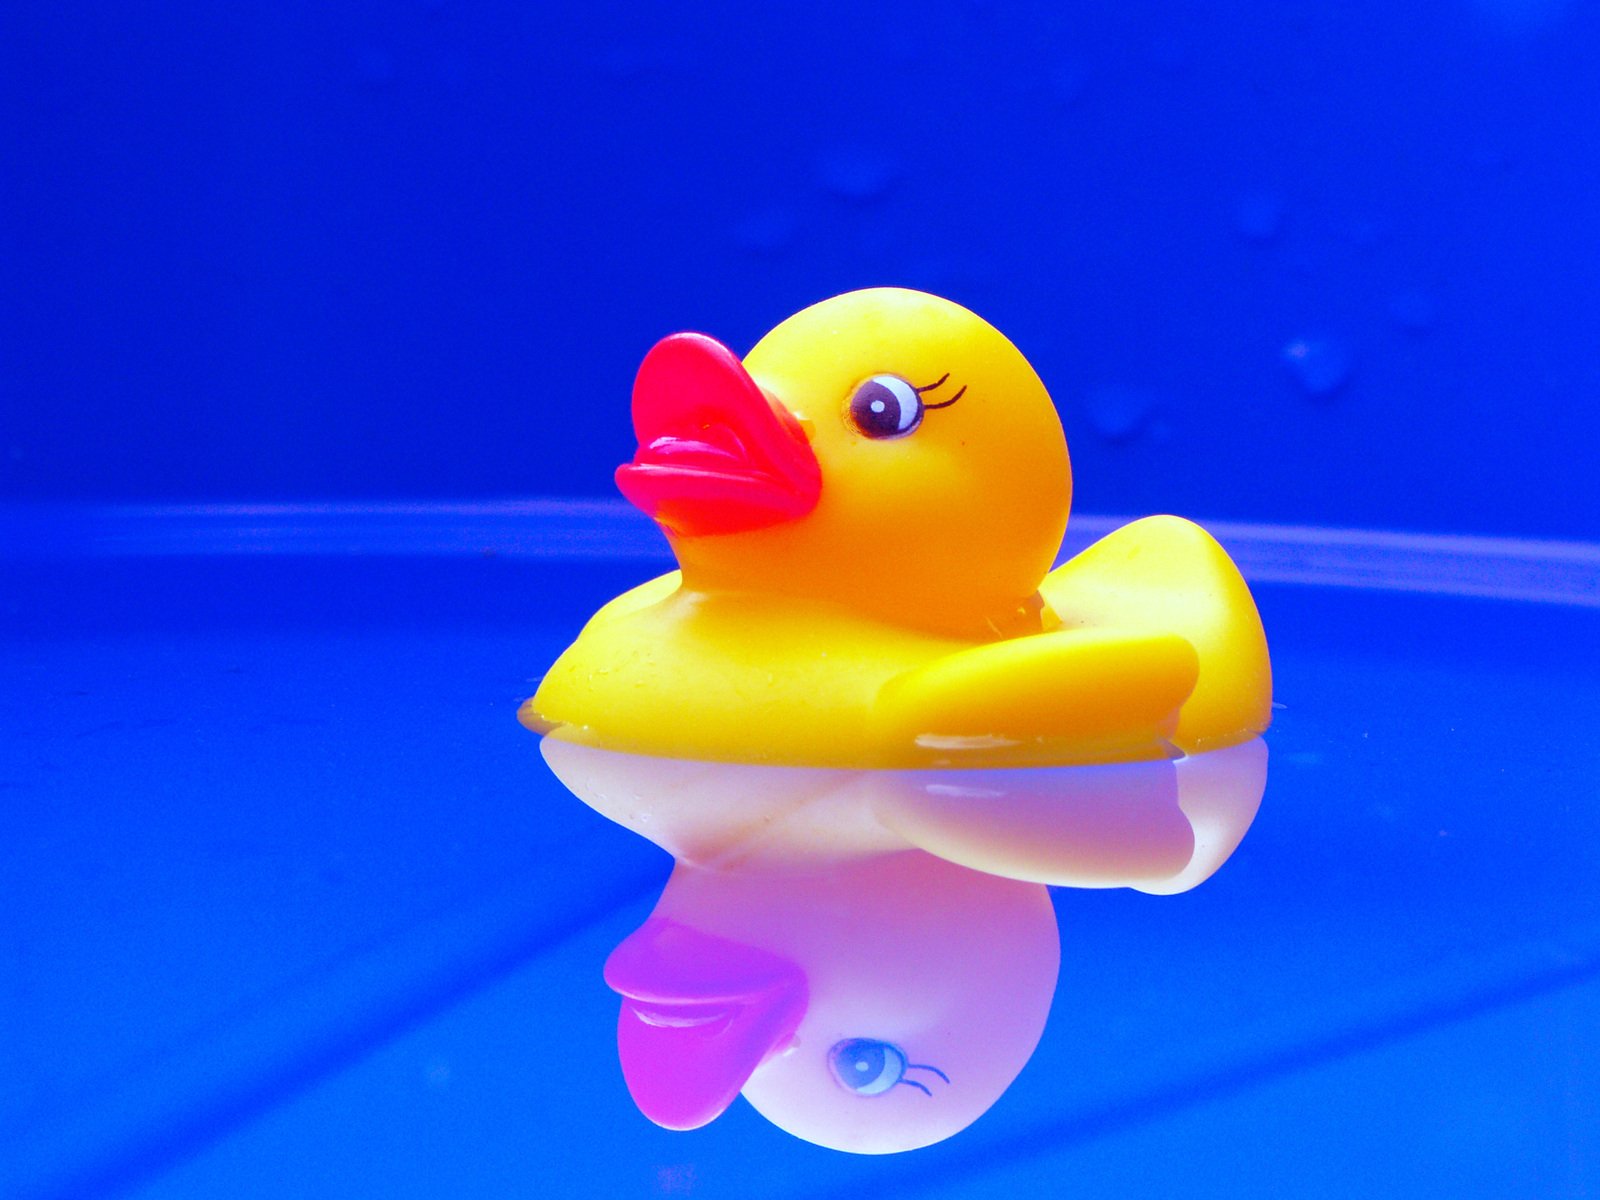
{"type": "Point", "coordinates": [1064, 697]}
{"type": "Point", "coordinates": [1167, 576]}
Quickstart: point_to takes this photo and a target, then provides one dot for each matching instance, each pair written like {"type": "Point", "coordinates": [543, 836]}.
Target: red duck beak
{"type": "Point", "coordinates": [716, 453]}
{"type": "Point", "coordinates": [699, 1015]}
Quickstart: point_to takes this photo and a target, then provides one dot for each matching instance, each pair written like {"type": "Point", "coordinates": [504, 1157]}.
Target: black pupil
{"type": "Point", "coordinates": [859, 1063]}
{"type": "Point", "coordinates": [885, 408]}
{"type": "Point", "coordinates": [866, 1064]}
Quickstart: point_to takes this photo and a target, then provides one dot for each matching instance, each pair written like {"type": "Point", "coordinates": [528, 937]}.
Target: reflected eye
{"type": "Point", "coordinates": [867, 1067]}
{"type": "Point", "coordinates": [886, 406]}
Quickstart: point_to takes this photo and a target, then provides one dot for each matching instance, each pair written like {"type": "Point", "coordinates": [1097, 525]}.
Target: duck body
{"type": "Point", "coordinates": [693, 674]}
{"type": "Point", "coordinates": [673, 671]}
{"type": "Point", "coordinates": [864, 512]}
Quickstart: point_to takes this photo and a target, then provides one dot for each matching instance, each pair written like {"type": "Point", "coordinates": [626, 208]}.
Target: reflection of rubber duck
{"type": "Point", "coordinates": [1155, 826]}
{"type": "Point", "coordinates": [864, 513]}
{"type": "Point", "coordinates": [825, 948]}
{"type": "Point", "coordinates": [878, 1005]}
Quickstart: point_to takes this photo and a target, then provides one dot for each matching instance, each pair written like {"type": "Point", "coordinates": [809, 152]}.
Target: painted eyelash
{"type": "Point", "coordinates": [939, 383]}
{"type": "Point", "coordinates": [922, 1087]}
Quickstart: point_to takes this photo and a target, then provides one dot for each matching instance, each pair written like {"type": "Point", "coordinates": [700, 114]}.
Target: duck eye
{"type": "Point", "coordinates": [886, 406]}
{"type": "Point", "coordinates": [867, 1067]}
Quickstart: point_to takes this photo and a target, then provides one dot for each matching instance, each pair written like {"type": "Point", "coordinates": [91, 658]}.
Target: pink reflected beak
{"type": "Point", "coordinates": [699, 1015]}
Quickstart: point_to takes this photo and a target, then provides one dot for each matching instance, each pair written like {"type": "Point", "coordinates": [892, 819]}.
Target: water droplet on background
{"type": "Point", "coordinates": [857, 175]}
{"type": "Point", "coordinates": [1068, 82]}
{"type": "Point", "coordinates": [1490, 160]}
{"type": "Point", "coordinates": [1258, 216]}
{"type": "Point", "coordinates": [1414, 312]}
{"type": "Point", "coordinates": [374, 66]}
{"type": "Point", "coordinates": [1520, 16]}
{"type": "Point", "coordinates": [1168, 54]}
{"type": "Point", "coordinates": [1320, 365]}
{"type": "Point", "coordinates": [1119, 413]}
{"type": "Point", "coordinates": [1365, 234]}
{"type": "Point", "coordinates": [621, 61]}
{"type": "Point", "coordinates": [905, 47]}
{"type": "Point", "coordinates": [1298, 259]}
{"type": "Point", "coordinates": [768, 232]}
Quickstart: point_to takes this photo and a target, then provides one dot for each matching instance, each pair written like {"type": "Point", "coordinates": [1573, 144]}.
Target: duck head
{"type": "Point", "coordinates": [886, 449]}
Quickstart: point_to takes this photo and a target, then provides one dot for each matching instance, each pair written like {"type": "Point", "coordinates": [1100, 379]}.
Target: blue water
{"type": "Point", "coordinates": [293, 908]}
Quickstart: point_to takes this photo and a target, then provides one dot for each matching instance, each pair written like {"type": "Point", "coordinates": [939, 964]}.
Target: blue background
{"type": "Point", "coordinates": [1314, 263]}
{"type": "Point", "coordinates": [293, 907]}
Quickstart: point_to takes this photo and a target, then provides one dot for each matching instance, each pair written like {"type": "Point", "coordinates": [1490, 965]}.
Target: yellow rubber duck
{"type": "Point", "coordinates": [864, 513]}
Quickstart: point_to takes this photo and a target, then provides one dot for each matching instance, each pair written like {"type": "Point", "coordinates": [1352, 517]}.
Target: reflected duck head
{"type": "Point", "coordinates": [880, 1006]}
